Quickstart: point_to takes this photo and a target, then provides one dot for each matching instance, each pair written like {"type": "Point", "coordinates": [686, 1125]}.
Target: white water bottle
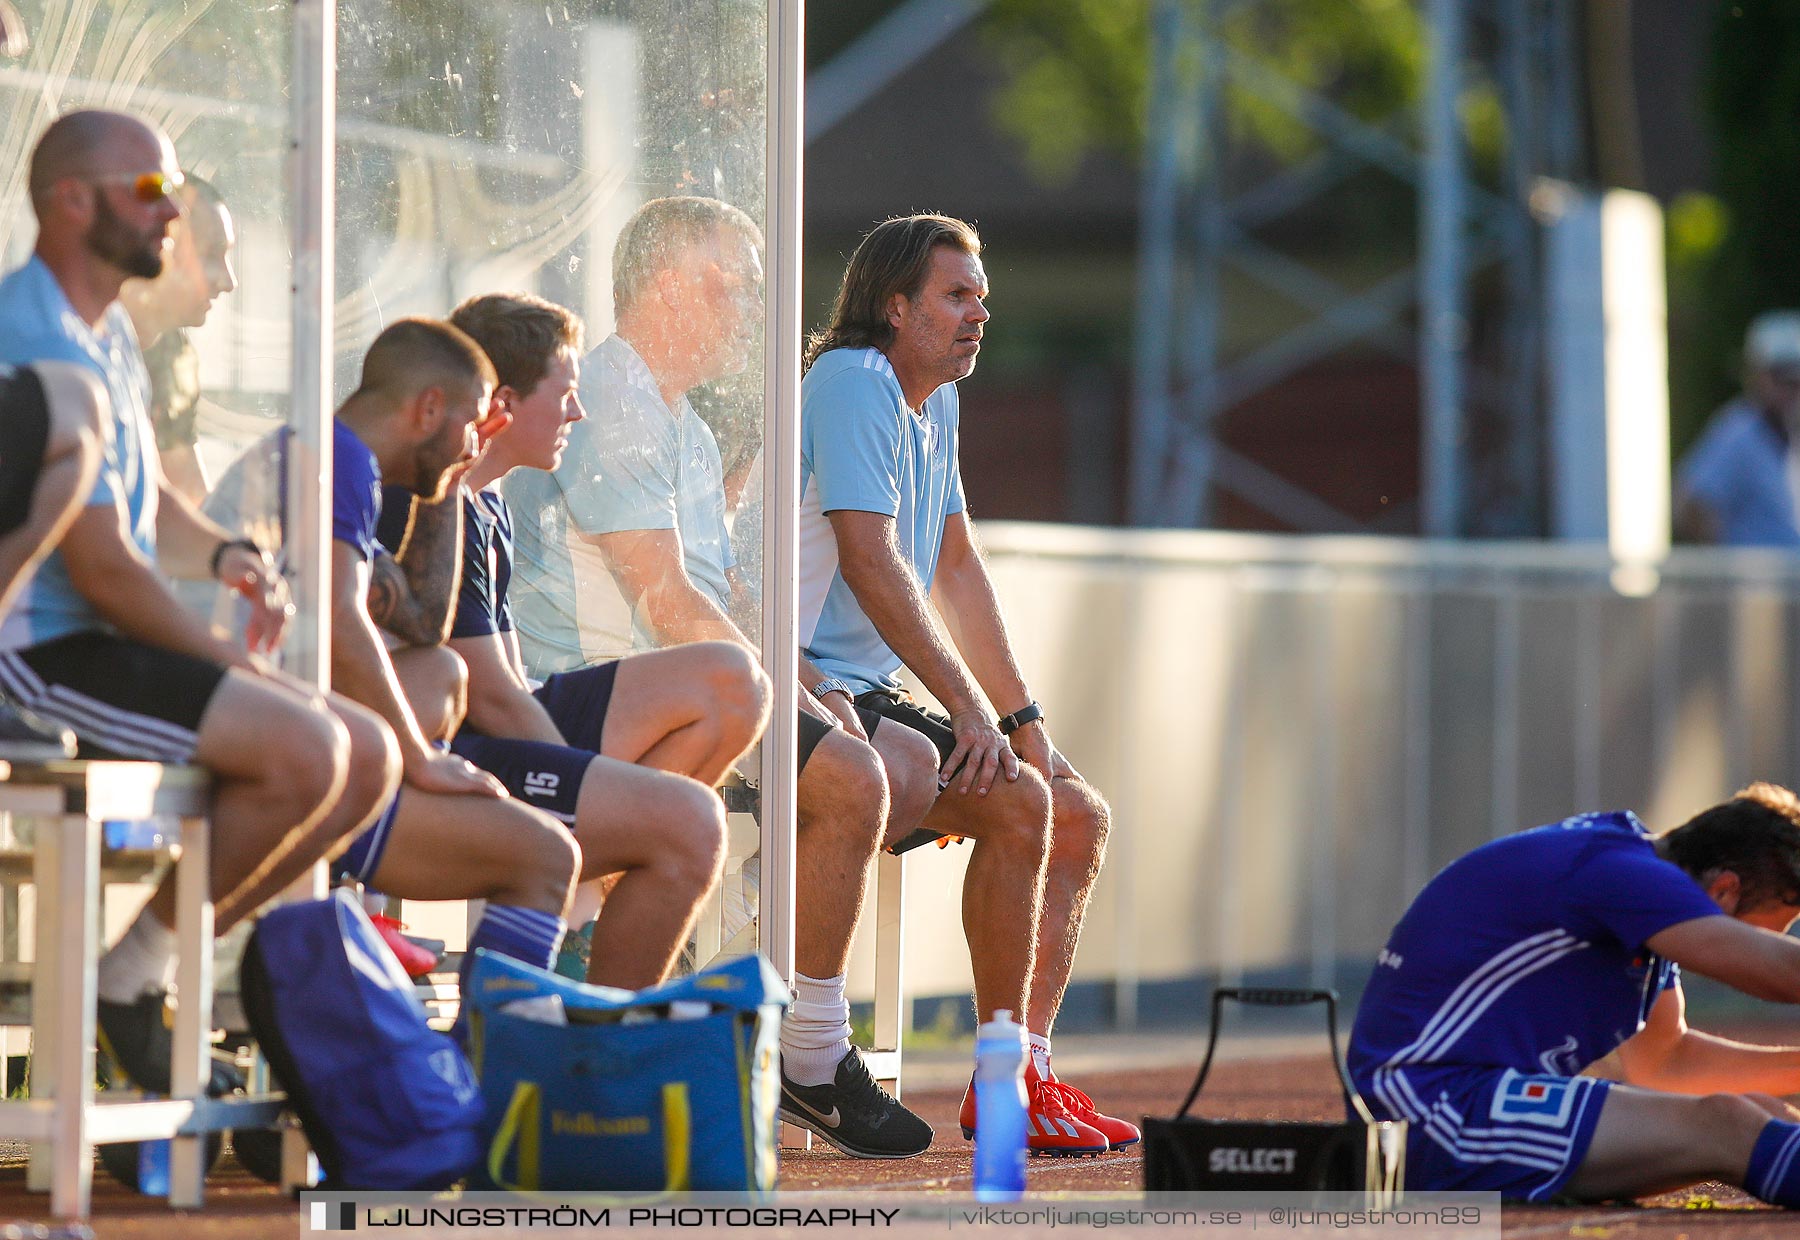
{"type": "Point", "coordinates": [1000, 1109]}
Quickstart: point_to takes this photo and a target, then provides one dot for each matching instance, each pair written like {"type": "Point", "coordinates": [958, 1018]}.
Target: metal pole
{"type": "Point", "coordinates": [1204, 100]}
{"type": "Point", "coordinates": [1442, 313]}
{"type": "Point", "coordinates": [890, 47]}
{"type": "Point", "coordinates": [781, 477]}
{"type": "Point", "coordinates": [1418, 601]}
{"type": "Point", "coordinates": [1155, 334]}
{"type": "Point", "coordinates": [1509, 669]}
{"type": "Point", "coordinates": [1519, 508]}
{"type": "Point", "coordinates": [1562, 114]}
{"type": "Point", "coordinates": [1322, 590]}
{"type": "Point", "coordinates": [307, 535]}
{"type": "Point", "coordinates": [308, 482]}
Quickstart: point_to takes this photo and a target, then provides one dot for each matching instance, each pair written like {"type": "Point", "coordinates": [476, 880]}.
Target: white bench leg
{"type": "Point", "coordinates": [75, 916]}
{"type": "Point", "coordinates": [46, 974]}
{"type": "Point", "coordinates": [891, 1014]}
{"type": "Point", "coordinates": [191, 1069]}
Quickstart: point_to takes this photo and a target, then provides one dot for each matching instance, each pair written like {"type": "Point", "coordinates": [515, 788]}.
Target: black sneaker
{"type": "Point", "coordinates": [135, 1037]}
{"type": "Point", "coordinates": [26, 736]}
{"type": "Point", "coordinates": [855, 1114]}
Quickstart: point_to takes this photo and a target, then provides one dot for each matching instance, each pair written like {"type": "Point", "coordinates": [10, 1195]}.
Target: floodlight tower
{"type": "Point", "coordinates": [1465, 310]}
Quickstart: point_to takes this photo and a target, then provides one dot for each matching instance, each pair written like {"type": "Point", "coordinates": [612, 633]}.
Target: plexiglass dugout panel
{"type": "Point", "coordinates": [488, 148]}
{"type": "Point", "coordinates": [480, 147]}
{"type": "Point", "coordinates": [215, 326]}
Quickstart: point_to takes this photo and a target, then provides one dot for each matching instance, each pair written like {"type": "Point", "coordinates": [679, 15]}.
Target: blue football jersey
{"type": "Point", "coordinates": [1527, 953]}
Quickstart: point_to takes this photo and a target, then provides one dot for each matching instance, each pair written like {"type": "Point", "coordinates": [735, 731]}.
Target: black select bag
{"type": "Point", "coordinates": [1189, 1153]}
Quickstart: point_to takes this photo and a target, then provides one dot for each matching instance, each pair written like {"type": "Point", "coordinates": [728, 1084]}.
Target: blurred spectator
{"type": "Point", "coordinates": [196, 273]}
{"type": "Point", "coordinates": [1737, 485]}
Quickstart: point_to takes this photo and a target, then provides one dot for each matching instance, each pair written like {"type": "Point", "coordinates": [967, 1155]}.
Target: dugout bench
{"type": "Point", "coordinates": [51, 817]}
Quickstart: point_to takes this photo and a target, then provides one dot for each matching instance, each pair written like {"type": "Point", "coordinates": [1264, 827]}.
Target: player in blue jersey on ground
{"type": "Point", "coordinates": [1534, 956]}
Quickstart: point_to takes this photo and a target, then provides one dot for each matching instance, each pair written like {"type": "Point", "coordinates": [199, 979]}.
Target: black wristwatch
{"type": "Point", "coordinates": [1031, 712]}
{"type": "Point", "coordinates": [230, 544]}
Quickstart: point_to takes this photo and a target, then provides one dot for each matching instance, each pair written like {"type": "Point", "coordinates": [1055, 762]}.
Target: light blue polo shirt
{"type": "Point", "coordinates": [1741, 469]}
{"type": "Point", "coordinates": [863, 450]}
{"type": "Point", "coordinates": [37, 324]}
{"type": "Point", "coordinates": [632, 464]}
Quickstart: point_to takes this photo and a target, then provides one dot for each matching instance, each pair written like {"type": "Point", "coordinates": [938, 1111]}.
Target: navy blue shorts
{"type": "Point", "coordinates": [577, 703]}
{"type": "Point", "coordinates": [1491, 1130]}
{"type": "Point", "coordinates": [543, 775]}
{"type": "Point", "coordinates": [363, 857]}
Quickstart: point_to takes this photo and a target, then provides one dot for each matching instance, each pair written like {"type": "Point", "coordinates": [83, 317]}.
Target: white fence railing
{"type": "Point", "coordinates": [1295, 733]}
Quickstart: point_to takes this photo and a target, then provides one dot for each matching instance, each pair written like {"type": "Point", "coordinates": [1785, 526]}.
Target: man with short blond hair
{"type": "Point", "coordinates": [166, 310]}
{"type": "Point", "coordinates": [627, 547]}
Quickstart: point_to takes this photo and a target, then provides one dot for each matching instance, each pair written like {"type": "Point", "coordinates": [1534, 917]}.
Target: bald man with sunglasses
{"type": "Point", "coordinates": [100, 643]}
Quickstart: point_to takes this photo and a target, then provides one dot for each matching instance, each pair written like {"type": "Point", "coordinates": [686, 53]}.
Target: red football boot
{"type": "Point", "coordinates": [1050, 1127]}
{"type": "Point", "coordinates": [1117, 1132]}
{"type": "Point", "coordinates": [416, 960]}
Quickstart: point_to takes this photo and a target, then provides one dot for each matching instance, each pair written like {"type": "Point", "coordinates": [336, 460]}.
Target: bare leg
{"type": "Point", "coordinates": [372, 779]}
{"type": "Point", "coordinates": [1651, 1142]}
{"type": "Point", "coordinates": [475, 847]}
{"type": "Point", "coordinates": [280, 761]}
{"type": "Point", "coordinates": [436, 683]}
{"type": "Point", "coordinates": [1004, 885]}
{"type": "Point", "coordinates": [666, 834]}
{"type": "Point", "coordinates": [911, 763]}
{"type": "Point", "coordinates": [693, 709]}
{"type": "Point", "coordinates": [590, 897]}
{"type": "Point", "coordinates": [842, 809]}
{"type": "Point", "coordinates": [1077, 848]}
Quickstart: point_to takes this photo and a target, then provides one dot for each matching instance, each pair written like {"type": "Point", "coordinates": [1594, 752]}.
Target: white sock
{"type": "Point", "coordinates": [1040, 1055]}
{"type": "Point", "coordinates": [815, 1036]}
{"type": "Point", "coordinates": [142, 960]}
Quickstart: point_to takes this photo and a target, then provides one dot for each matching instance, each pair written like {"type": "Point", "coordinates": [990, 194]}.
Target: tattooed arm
{"type": "Point", "coordinates": [413, 595]}
{"type": "Point", "coordinates": [363, 671]}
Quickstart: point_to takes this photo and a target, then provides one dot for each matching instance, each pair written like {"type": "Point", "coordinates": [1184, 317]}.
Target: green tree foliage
{"type": "Point", "coordinates": [1753, 97]}
{"type": "Point", "coordinates": [1078, 71]}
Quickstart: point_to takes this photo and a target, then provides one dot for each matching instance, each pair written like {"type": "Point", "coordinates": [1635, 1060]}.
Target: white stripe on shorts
{"type": "Point", "coordinates": [124, 732]}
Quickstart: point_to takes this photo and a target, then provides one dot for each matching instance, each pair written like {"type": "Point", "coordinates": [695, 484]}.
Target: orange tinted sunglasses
{"type": "Point", "coordinates": [146, 187]}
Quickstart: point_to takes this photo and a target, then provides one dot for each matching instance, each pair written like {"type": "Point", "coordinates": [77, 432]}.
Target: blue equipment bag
{"type": "Point", "coordinates": [386, 1101]}
{"type": "Point", "coordinates": [668, 1089]}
